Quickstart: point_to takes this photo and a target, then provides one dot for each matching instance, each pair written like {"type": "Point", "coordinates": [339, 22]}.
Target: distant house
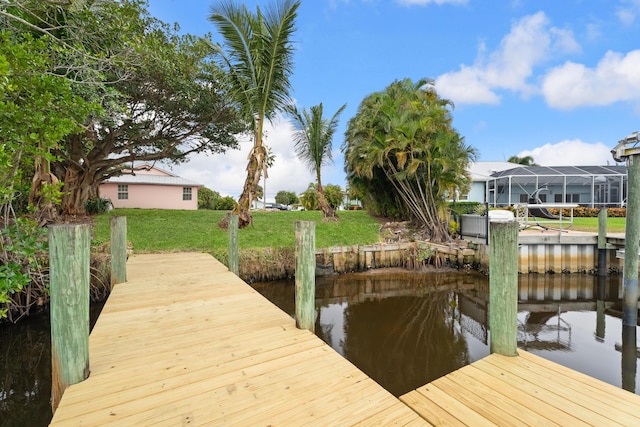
{"type": "Point", "coordinates": [590, 186]}
{"type": "Point", "coordinates": [506, 184]}
{"type": "Point", "coordinates": [481, 174]}
{"type": "Point", "coordinates": [149, 187]}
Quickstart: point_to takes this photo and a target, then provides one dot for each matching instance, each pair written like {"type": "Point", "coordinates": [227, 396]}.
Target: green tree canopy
{"type": "Point", "coordinates": [334, 195]}
{"type": "Point", "coordinates": [155, 95]}
{"type": "Point", "coordinates": [208, 199]}
{"type": "Point", "coordinates": [525, 161]}
{"type": "Point", "coordinates": [286, 197]}
{"type": "Point", "coordinates": [309, 198]}
{"type": "Point", "coordinates": [403, 154]}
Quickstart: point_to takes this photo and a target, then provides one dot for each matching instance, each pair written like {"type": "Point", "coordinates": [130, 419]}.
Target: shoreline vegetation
{"type": "Point", "coordinates": [267, 247]}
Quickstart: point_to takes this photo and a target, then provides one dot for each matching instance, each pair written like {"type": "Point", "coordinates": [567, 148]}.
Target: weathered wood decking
{"type": "Point", "coordinates": [186, 342]}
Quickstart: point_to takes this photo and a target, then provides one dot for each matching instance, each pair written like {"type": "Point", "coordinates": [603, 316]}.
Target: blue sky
{"type": "Point", "coordinates": [558, 80]}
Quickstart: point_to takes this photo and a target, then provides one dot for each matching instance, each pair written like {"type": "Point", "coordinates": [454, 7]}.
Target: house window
{"type": "Point", "coordinates": [464, 197]}
{"type": "Point", "coordinates": [123, 192]}
{"type": "Point", "coordinates": [186, 193]}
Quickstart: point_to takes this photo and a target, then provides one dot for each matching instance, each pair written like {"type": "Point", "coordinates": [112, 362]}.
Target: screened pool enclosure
{"type": "Point", "coordinates": [589, 186]}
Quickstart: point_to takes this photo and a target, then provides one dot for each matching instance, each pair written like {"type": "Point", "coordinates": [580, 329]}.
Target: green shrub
{"type": "Point", "coordinates": [97, 206]}
{"type": "Point", "coordinates": [462, 208]}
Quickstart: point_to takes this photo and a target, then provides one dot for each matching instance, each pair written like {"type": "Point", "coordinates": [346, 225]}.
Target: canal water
{"type": "Point", "coordinates": [402, 329]}
{"type": "Point", "coordinates": [405, 330]}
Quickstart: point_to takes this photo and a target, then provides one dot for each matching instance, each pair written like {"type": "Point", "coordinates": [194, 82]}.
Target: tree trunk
{"type": "Point", "coordinates": [254, 170]}
{"type": "Point", "coordinates": [78, 187]}
{"type": "Point", "coordinates": [327, 211]}
{"type": "Point", "coordinates": [45, 209]}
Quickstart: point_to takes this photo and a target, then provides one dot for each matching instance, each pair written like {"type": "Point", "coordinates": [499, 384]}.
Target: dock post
{"type": "Point", "coordinates": [305, 274]}
{"type": "Point", "coordinates": [631, 243]}
{"type": "Point", "coordinates": [118, 250]}
{"type": "Point", "coordinates": [69, 247]}
{"type": "Point", "coordinates": [503, 287]}
{"type": "Point", "coordinates": [233, 245]}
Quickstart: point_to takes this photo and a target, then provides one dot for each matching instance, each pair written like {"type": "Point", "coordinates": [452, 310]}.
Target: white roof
{"type": "Point", "coordinates": [153, 180]}
{"type": "Point", "coordinates": [481, 171]}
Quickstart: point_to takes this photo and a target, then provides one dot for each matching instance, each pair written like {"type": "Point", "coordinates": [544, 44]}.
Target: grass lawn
{"type": "Point", "coordinates": [614, 225]}
{"type": "Point", "coordinates": [155, 230]}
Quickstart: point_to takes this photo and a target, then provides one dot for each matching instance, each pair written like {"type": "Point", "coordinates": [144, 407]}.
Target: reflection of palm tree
{"type": "Point", "coordinates": [409, 349]}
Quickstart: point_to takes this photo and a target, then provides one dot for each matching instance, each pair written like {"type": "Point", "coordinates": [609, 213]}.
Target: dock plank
{"type": "Point", "coordinates": [184, 341]}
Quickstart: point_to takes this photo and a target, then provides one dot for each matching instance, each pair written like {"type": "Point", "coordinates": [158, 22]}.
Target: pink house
{"type": "Point", "coordinates": [151, 188]}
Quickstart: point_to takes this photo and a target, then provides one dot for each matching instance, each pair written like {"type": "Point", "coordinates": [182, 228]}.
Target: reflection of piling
{"type": "Point", "coordinates": [629, 358]}
{"type": "Point", "coordinates": [602, 273]}
{"type": "Point", "coordinates": [69, 287]}
{"type": "Point", "coordinates": [233, 244]}
{"type": "Point", "coordinates": [602, 243]}
{"type": "Point", "coordinates": [305, 274]}
{"type": "Point", "coordinates": [632, 241]}
{"type": "Point", "coordinates": [118, 247]}
{"type": "Point", "coordinates": [503, 287]}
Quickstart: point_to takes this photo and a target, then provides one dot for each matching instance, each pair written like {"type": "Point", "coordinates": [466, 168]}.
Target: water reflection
{"type": "Point", "coordinates": [25, 371]}
{"type": "Point", "coordinates": [405, 330]}
{"type": "Point", "coordinates": [25, 381]}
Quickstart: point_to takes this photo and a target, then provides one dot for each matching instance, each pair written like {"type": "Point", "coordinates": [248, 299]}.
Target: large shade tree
{"type": "Point", "coordinates": [157, 95]}
{"type": "Point", "coordinates": [258, 52]}
{"type": "Point", "coordinates": [403, 153]}
{"type": "Point", "coordinates": [313, 138]}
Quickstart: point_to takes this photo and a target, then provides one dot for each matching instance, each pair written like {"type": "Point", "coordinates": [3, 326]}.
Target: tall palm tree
{"type": "Point", "coordinates": [313, 138]}
{"type": "Point", "coordinates": [258, 54]}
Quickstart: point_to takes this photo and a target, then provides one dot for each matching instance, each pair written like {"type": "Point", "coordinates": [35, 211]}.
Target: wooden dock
{"type": "Point", "coordinates": [186, 342]}
{"type": "Point", "coordinates": [526, 390]}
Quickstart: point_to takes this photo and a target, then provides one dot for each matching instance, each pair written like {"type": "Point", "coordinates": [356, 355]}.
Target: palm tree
{"type": "Point", "coordinates": [258, 54]}
{"type": "Point", "coordinates": [524, 161]}
{"type": "Point", "coordinates": [313, 138]}
{"type": "Point", "coordinates": [404, 154]}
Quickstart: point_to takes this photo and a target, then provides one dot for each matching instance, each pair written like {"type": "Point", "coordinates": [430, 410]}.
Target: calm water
{"type": "Point", "coordinates": [403, 330]}
{"type": "Point", "coordinates": [25, 371]}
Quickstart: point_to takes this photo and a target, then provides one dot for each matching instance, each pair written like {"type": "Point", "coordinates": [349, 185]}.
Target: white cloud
{"type": "Point", "coordinates": [226, 173]}
{"type": "Point", "coordinates": [615, 78]}
{"type": "Point", "coordinates": [530, 42]}
{"type": "Point", "coordinates": [571, 152]}
{"type": "Point", "coordinates": [628, 12]}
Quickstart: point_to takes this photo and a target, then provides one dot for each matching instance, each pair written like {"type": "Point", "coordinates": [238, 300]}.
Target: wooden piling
{"type": "Point", "coordinates": [233, 245]}
{"type": "Point", "coordinates": [69, 247]}
{"type": "Point", "coordinates": [118, 250]}
{"type": "Point", "coordinates": [631, 244]}
{"type": "Point", "coordinates": [305, 274]}
{"type": "Point", "coordinates": [503, 287]}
